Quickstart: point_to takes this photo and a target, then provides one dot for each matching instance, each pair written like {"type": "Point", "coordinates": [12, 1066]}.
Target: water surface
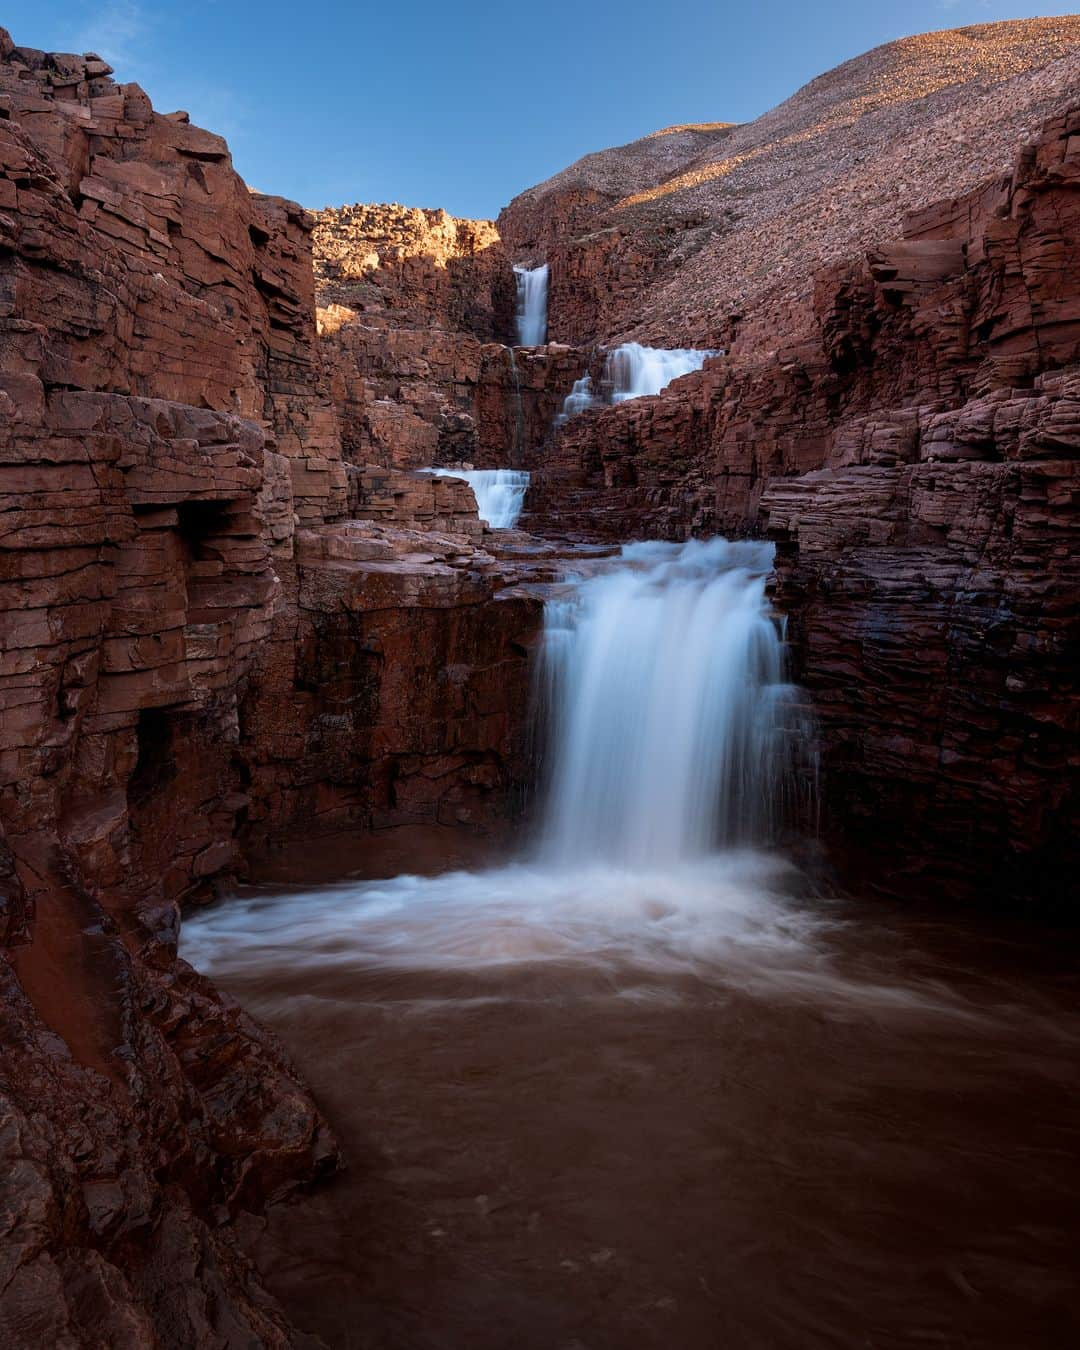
{"type": "Point", "coordinates": [706, 1108]}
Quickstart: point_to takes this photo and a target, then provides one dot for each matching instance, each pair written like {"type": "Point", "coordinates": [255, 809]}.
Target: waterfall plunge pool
{"type": "Point", "coordinates": [645, 1085]}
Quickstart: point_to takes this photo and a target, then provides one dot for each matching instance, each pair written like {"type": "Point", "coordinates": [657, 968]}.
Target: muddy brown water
{"type": "Point", "coordinates": [839, 1124]}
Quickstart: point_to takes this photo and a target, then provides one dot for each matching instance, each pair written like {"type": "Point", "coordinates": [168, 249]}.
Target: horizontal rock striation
{"type": "Point", "coordinates": [198, 654]}
{"type": "Point", "coordinates": [163, 428]}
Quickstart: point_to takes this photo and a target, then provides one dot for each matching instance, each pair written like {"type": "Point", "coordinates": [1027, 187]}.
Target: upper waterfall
{"type": "Point", "coordinates": [532, 299]}
{"type": "Point", "coordinates": [634, 371]}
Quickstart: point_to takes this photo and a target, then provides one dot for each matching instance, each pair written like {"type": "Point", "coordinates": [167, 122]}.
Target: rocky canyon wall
{"type": "Point", "coordinates": [230, 608]}
{"type": "Point", "coordinates": [416, 315]}
{"type": "Point", "coordinates": [198, 653]}
{"type": "Point", "coordinates": [910, 442]}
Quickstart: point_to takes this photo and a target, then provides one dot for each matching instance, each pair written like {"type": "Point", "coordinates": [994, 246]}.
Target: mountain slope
{"type": "Point", "coordinates": [668, 238]}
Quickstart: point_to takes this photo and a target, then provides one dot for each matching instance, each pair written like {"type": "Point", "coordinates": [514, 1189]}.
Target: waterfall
{"type": "Point", "coordinates": [519, 410]}
{"type": "Point", "coordinates": [577, 400]}
{"type": "Point", "coordinates": [500, 493]}
{"type": "Point", "coordinates": [532, 296]}
{"type": "Point", "coordinates": [664, 680]}
{"type": "Point", "coordinates": [669, 732]}
{"type": "Point", "coordinates": [634, 371]}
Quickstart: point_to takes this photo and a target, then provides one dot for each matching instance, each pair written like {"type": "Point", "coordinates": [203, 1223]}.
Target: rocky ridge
{"type": "Point", "coordinates": [675, 251]}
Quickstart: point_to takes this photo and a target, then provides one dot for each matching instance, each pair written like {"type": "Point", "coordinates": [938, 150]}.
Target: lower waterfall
{"type": "Point", "coordinates": [664, 678]}
{"type": "Point", "coordinates": [661, 699]}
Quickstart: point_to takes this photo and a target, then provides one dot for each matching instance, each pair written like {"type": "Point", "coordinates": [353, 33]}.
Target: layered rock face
{"type": "Point", "coordinates": [673, 239]}
{"type": "Point", "coordinates": [913, 452]}
{"type": "Point", "coordinates": [416, 315]}
{"type": "Point", "coordinates": [197, 652]}
{"type": "Point", "coordinates": [160, 392]}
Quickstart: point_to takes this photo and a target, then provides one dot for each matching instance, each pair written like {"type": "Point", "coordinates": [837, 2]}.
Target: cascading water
{"type": "Point", "coordinates": [532, 298]}
{"type": "Point", "coordinates": [664, 680]}
{"type": "Point", "coordinates": [636, 371]}
{"type": "Point", "coordinates": [578, 399]}
{"type": "Point", "coordinates": [500, 493]}
{"type": "Point", "coordinates": [633, 371]}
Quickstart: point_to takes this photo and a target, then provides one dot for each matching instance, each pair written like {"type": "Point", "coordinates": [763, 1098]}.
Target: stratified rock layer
{"type": "Point", "coordinates": [197, 655]}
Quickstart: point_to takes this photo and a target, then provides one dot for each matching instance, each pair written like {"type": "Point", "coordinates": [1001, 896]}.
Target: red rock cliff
{"type": "Point", "coordinates": [198, 652]}
{"type": "Point", "coordinates": [415, 312]}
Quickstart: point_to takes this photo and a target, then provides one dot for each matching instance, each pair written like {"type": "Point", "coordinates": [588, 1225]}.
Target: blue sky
{"type": "Point", "coordinates": [464, 104]}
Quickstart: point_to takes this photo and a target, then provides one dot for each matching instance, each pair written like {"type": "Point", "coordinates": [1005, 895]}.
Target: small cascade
{"type": "Point", "coordinates": [664, 683]}
{"type": "Point", "coordinates": [532, 302]}
{"type": "Point", "coordinates": [500, 493]}
{"type": "Point", "coordinates": [578, 400]}
{"type": "Point", "coordinates": [633, 371]}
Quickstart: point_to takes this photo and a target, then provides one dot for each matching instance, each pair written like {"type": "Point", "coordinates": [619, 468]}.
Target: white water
{"type": "Point", "coordinates": [500, 493]}
{"type": "Point", "coordinates": [578, 399]}
{"type": "Point", "coordinates": [636, 371]}
{"type": "Point", "coordinates": [633, 371]}
{"type": "Point", "coordinates": [664, 678]}
{"type": "Point", "coordinates": [661, 680]}
{"type": "Point", "coordinates": [532, 298]}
